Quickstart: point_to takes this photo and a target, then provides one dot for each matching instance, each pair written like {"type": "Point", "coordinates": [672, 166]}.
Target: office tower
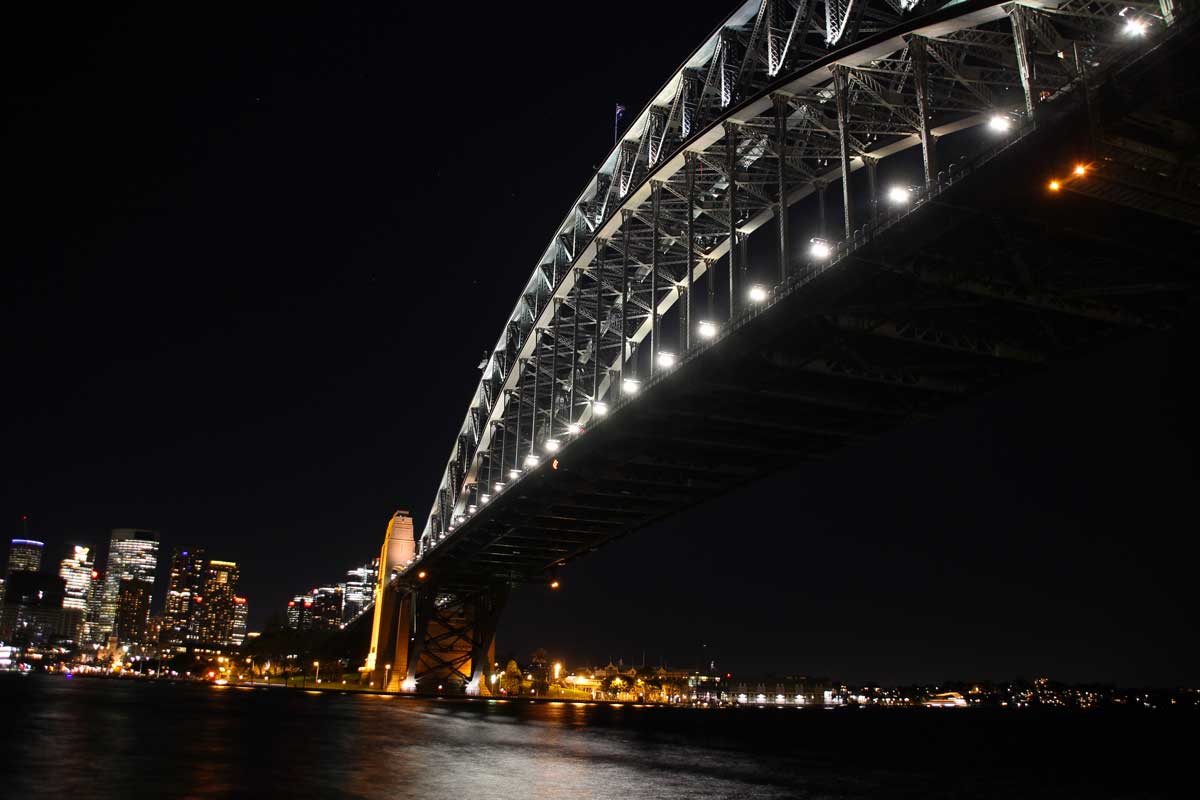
{"type": "Point", "coordinates": [184, 585]}
{"type": "Point", "coordinates": [76, 572]}
{"type": "Point", "coordinates": [360, 590]}
{"type": "Point", "coordinates": [91, 617]}
{"type": "Point", "coordinates": [25, 555]}
{"type": "Point", "coordinates": [132, 555]}
{"type": "Point", "coordinates": [241, 614]}
{"type": "Point", "coordinates": [327, 607]}
{"type": "Point", "coordinates": [299, 613]}
{"type": "Point", "coordinates": [212, 616]}
{"type": "Point", "coordinates": [33, 609]}
{"type": "Point", "coordinates": [133, 610]}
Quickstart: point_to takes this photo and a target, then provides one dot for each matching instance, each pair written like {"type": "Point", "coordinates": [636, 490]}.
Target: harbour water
{"type": "Point", "coordinates": [96, 738]}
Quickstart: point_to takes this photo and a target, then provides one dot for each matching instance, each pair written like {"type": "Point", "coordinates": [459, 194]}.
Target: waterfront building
{"type": "Point", "coordinates": [91, 618]}
{"type": "Point", "coordinates": [360, 589]}
{"type": "Point", "coordinates": [298, 616]}
{"type": "Point", "coordinates": [132, 555]}
{"type": "Point", "coordinates": [213, 612]}
{"type": "Point", "coordinates": [33, 609]}
{"type": "Point", "coordinates": [25, 555]}
{"type": "Point", "coordinates": [132, 616]}
{"type": "Point", "coordinates": [327, 607]}
{"type": "Point", "coordinates": [76, 572]}
{"type": "Point", "coordinates": [184, 584]}
{"type": "Point", "coordinates": [241, 615]}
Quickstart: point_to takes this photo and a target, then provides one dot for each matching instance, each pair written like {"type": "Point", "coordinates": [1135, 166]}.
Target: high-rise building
{"type": "Point", "coordinates": [212, 616]}
{"type": "Point", "coordinates": [185, 583]}
{"type": "Point", "coordinates": [25, 555]}
{"type": "Point", "coordinates": [327, 607]}
{"type": "Point", "coordinates": [241, 614]}
{"type": "Point", "coordinates": [133, 610]}
{"type": "Point", "coordinates": [132, 555]}
{"type": "Point", "coordinates": [360, 589]}
{"type": "Point", "coordinates": [33, 609]}
{"type": "Point", "coordinates": [91, 617]}
{"type": "Point", "coordinates": [76, 571]}
{"type": "Point", "coordinates": [299, 613]}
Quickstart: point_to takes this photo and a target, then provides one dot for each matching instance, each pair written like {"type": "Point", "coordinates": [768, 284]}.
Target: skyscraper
{"type": "Point", "coordinates": [212, 617]}
{"type": "Point", "coordinates": [132, 555]}
{"type": "Point", "coordinates": [25, 555]}
{"type": "Point", "coordinates": [76, 570]}
{"type": "Point", "coordinates": [133, 610]}
{"type": "Point", "coordinates": [360, 589]}
{"type": "Point", "coordinates": [241, 613]}
{"type": "Point", "coordinates": [186, 582]}
{"type": "Point", "coordinates": [327, 607]}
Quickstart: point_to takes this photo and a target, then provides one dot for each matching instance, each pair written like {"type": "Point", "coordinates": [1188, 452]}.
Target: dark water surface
{"type": "Point", "coordinates": [110, 738]}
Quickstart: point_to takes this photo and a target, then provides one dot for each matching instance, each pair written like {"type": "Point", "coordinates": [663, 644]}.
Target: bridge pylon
{"type": "Point", "coordinates": [429, 637]}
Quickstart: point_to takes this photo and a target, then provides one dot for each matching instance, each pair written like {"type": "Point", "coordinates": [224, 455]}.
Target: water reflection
{"type": "Point", "coordinates": [125, 739]}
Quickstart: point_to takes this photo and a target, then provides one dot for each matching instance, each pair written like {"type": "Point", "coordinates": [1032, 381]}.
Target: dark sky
{"type": "Point", "coordinates": [253, 255]}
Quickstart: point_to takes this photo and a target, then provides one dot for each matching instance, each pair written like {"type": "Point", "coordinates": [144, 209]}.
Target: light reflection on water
{"type": "Point", "coordinates": [99, 738]}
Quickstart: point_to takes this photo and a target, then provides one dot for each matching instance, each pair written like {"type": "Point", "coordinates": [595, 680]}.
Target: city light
{"type": "Point", "coordinates": [531, 460]}
{"type": "Point", "coordinates": [899, 196]}
{"type": "Point", "coordinates": [1054, 186]}
{"type": "Point", "coordinates": [599, 408]}
{"type": "Point", "coordinates": [498, 486]}
{"type": "Point", "coordinates": [554, 584]}
{"type": "Point", "coordinates": [819, 249]}
{"type": "Point", "coordinates": [557, 670]}
{"type": "Point", "coordinates": [408, 685]}
{"type": "Point", "coordinates": [999, 123]}
{"type": "Point", "coordinates": [706, 329]}
{"type": "Point", "coordinates": [666, 360]}
{"type": "Point", "coordinates": [574, 429]}
{"type": "Point", "coordinates": [483, 498]}
{"type": "Point", "coordinates": [757, 293]}
{"type": "Point", "coordinates": [630, 385]}
{"type": "Point", "coordinates": [514, 473]}
{"type": "Point", "coordinates": [1135, 27]}
{"type": "Point", "coordinates": [1080, 169]}
{"type": "Point", "coordinates": [421, 575]}
{"type": "Point", "coordinates": [551, 445]}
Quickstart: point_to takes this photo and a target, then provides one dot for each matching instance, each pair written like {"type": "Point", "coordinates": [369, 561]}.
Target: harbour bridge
{"type": "Point", "coordinates": [837, 217]}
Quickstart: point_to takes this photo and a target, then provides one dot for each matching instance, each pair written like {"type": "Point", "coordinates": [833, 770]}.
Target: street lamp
{"type": "Point", "coordinates": [758, 293]}
{"type": "Point", "coordinates": [599, 408]}
{"type": "Point", "coordinates": [552, 445]}
{"type": "Point", "coordinates": [666, 360]}
{"type": "Point", "coordinates": [819, 249]}
{"type": "Point", "coordinates": [899, 196]}
{"type": "Point", "coordinates": [630, 385]}
{"type": "Point", "coordinates": [387, 674]}
{"type": "Point", "coordinates": [574, 428]}
{"type": "Point", "coordinates": [999, 123]}
{"type": "Point", "coordinates": [317, 664]}
{"type": "Point", "coordinates": [531, 460]}
{"type": "Point", "coordinates": [706, 329]}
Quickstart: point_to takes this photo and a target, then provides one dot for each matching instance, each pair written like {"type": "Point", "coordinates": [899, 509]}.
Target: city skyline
{"type": "Point", "coordinates": [298, 399]}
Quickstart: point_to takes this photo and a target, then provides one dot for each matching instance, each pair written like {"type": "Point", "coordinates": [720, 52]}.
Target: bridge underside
{"type": "Point", "coordinates": [993, 277]}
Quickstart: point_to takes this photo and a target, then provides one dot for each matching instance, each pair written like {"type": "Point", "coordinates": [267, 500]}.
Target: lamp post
{"type": "Point", "coordinates": [317, 664]}
{"type": "Point", "coordinates": [387, 672]}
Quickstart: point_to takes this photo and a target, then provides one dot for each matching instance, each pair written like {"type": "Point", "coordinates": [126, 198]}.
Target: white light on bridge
{"type": "Point", "coordinates": [574, 429]}
{"type": "Point", "coordinates": [666, 360]}
{"type": "Point", "coordinates": [551, 445]}
{"type": "Point", "coordinates": [514, 473]}
{"type": "Point", "coordinates": [706, 329]}
{"type": "Point", "coordinates": [758, 294]}
{"type": "Point", "coordinates": [1135, 27]}
{"type": "Point", "coordinates": [999, 123]}
{"type": "Point", "coordinates": [899, 196]}
{"type": "Point", "coordinates": [472, 509]}
{"type": "Point", "coordinates": [498, 486]}
{"type": "Point", "coordinates": [819, 249]}
{"type": "Point", "coordinates": [599, 408]}
{"type": "Point", "coordinates": [630, 385]}
{"type": "Point", "coordinates": [531, 460]}
{"type": "Point", "coordinates": [483, 498]}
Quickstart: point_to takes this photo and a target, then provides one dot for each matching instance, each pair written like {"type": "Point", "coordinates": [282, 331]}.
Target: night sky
{"type": "Point", "coordinates": [253, 255]}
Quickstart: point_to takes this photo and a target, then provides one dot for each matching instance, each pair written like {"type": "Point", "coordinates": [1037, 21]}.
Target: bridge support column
{"type": "Point", "coordinates": [781, 115]}
{"type": "Point", "coordinates": [920, 62]}
{"type": "Point", "coordinates": [872, 163]}
{"type": "Point", "coordinates": [731, 169]}
{"type": "Point", "coordinates": [1021, 42]}
{"type": "Point", "coordinates": [839, 82]}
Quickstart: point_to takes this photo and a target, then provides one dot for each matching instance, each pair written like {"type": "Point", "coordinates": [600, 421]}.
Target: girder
{"type": "Point", "coordinates": [785, 99]}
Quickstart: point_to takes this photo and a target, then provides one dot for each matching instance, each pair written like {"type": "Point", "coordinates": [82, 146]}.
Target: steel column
{"type": "Point", "coordinates": [520, 401]}
{"type": "Point", "coordinates": [575, 341]}
{"type": "Point", "coordinates": [731, 169]}
{"type": "Point", "coordinates": [920, 62]}
{"type": "Point", "coordinates": [626, 224]}
{"type": "Point", "coordinates": [554, 365]}
{"type": "Point", "coordinates": [839, 80]}
{"type": "Point", "coordinates": [781, 115]}
{"type": "Point", "coordinates": [601, 244]}
{"type": "Point", "coordinates": [537, 379]}
{"type": "Point", "coordinates": [1020, 28]}
{"type": "Point", "coordinates": [872, 163]}
{"type": "Point", "coordinates": [690, 159]}
{"type": "Point", "coordinates": [655, 194]}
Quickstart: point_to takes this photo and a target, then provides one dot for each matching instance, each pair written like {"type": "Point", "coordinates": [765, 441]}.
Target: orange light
{"type": "Point", "coordinates": [1081, 169]}
{"type": "Point", "coordinates": [421, 575]}
{"type": "Point", "coordinates": [1054, 186]}
{"type": "Point", "coordinates": [554, 584]}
